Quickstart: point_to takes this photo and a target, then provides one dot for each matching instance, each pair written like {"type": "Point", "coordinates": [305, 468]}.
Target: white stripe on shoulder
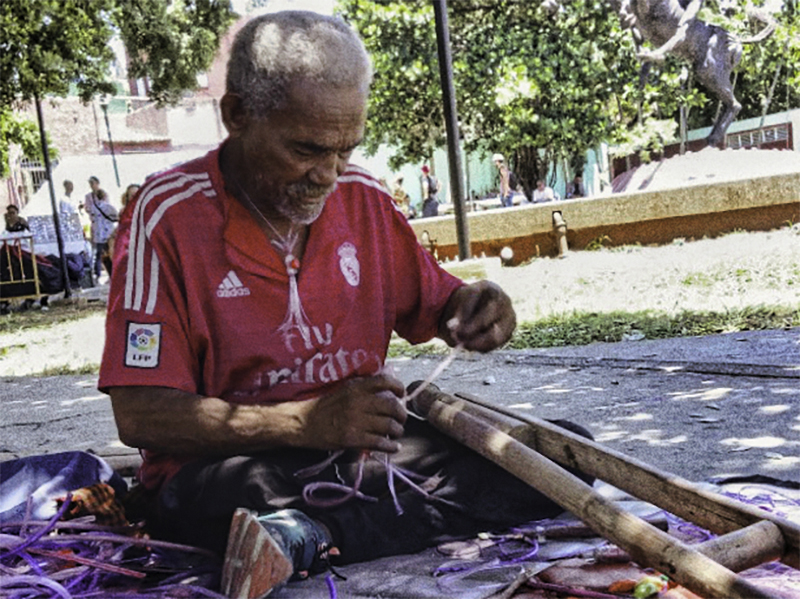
{"type": "Point", "coordinates": [158, 213]}
{"type": "Point", "coordinates": [166, 191]}
{"type": "Point", "coordinates": [150, 189]}
{"type": "Point", "coordinates": [365, 180]}
{"type": "Point", "coordinates": [358, 169]}
{"type": "Point", "coordinates": [153, 187]}
{"type": "Point", "coordinates": [151, 300]}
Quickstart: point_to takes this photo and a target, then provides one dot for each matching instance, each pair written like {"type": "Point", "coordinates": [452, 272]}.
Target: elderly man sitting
{"type": "Point", "coordinates": [253, 297]}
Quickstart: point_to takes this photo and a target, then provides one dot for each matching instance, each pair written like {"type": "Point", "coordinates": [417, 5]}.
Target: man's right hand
{"type": "Point", "coordinates": [363, 413]}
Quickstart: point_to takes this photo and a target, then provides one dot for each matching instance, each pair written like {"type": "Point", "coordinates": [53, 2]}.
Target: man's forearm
{"type": "Point", "coordinates": [174, 421]}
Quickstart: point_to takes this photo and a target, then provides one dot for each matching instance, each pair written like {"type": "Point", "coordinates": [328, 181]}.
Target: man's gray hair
{"type": "Point", "coordinates": [275, 49]}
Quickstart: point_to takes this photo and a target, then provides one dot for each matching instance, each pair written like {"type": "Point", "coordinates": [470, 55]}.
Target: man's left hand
{"type": "Point", "coordinates": [479, 317]}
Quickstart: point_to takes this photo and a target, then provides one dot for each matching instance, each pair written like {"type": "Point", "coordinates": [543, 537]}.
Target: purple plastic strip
{"type": "Point", "coordinates": [41, 532]}
{"type": "Point", "coordinates": [331, 586]}
{"type": "Point", "coordinates": [35, 581]}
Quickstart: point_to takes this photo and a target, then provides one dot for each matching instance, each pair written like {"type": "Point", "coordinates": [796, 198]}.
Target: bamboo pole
{"type": "Point", "coordinates": [717, 513]}
{"type": "Point", "coordinates": [646, 544]}
{"type": "Point", "coordinates": [747, 547]}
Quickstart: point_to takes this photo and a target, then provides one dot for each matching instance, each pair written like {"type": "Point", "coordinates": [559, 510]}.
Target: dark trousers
{"type": "Point", "coordinates": [197, 504]}
{"type": "Point", "coordinates": [100, 249]}
{"type": "Point", "coordinates": [430, 207]}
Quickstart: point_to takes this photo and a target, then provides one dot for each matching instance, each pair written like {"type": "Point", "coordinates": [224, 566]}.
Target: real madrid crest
{"type": "Point", "coordinates": [348, 263]}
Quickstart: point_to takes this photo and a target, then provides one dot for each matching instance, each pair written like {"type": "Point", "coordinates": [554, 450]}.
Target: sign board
{"type": "Point", "coordinates": [44, 234]}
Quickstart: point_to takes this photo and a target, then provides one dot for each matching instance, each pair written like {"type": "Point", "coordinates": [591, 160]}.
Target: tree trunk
{"type": "Point", "coordinates": [530, 165]}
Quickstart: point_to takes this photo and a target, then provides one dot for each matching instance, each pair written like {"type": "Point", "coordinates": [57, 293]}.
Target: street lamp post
{"type": "Point", "coordinates": [451, 125]}
{"type": "Point", "coordinates": [53, 204]}
{"type": "Point", "coordinates": [104, 106]}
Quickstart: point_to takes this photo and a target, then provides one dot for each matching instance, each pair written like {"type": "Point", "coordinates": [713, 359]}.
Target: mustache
{"type": "Point", "coordinates": [305, 190]}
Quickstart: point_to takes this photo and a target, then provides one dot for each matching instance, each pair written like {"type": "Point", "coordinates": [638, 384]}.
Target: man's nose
{"type": "Point", "coordinates": [328, 169]}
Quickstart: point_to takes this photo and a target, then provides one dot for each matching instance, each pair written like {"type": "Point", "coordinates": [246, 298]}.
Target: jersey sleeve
{"type": "Point", "coordinates": [147, 330]}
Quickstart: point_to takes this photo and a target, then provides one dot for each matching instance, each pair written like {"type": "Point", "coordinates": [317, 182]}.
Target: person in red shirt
{"type": "Point", "coordinates": [253, 297]}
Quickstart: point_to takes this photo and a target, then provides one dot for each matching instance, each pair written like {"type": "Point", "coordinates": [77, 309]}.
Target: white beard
{"type": "Point", "coordinates": [291, 204]}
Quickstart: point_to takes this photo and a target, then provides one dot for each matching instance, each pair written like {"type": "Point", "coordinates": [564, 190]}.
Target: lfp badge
{"type": "Point", "coordinates": [143, 345]}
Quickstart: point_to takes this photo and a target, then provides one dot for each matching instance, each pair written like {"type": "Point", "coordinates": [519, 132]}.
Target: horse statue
{"type": "Point", "coordinates": [672, 27]}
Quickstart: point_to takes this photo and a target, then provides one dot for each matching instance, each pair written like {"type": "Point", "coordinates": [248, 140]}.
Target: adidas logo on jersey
{"type": "Point", "coordinates": [231, 286]}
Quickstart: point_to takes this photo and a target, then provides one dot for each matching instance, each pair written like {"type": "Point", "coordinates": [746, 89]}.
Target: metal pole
{"type": "Point", "coordinates": [53, 203]}
{"type": "Point", "coordinates": [451, 124]}
{"type": "Point", "coordinates": [104, 106]}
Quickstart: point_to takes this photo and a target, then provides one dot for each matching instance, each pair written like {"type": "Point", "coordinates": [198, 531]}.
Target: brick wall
{"type": "Point", "coordinates": [149, 119]}
{"type": "Point", "coordinates": [74, 128]}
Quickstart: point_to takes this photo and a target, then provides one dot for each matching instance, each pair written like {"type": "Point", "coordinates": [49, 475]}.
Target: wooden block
{"type": "Point", "coordinates": [254, 563]}
{"type": "Point", "coordinates": [589, 575]}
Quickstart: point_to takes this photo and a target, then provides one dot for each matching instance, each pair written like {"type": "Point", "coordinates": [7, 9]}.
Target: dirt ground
{"type": "Point", "coordinates": [732, 272]}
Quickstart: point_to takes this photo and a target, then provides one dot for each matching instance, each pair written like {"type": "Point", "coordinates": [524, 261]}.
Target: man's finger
{"type": "Point", "coordinates": [381, 443]}
{"type": "Point", "coordinates": [384, 426]}
{"type": "Point", "coordinates": [382, 382]}
{"type": "Point", "coordinates": [472, 315]}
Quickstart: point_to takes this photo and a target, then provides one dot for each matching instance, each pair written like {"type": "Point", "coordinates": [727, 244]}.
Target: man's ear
{"type": "Point", "coordinates": [234, 114]}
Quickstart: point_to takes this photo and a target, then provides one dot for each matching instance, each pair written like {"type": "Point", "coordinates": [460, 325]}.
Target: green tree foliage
{"type": "Point", "coordinates": [45, 45]}
{"type": "Point", "coordinates": [535, 86]}
{"type": "Point", "coordinates": [768, 74]}
{"type": "Point", "coordinates": [545, 87]}
{"type": "Point", "coordinates": [772, 60]}
{"type": "Point", "coordinates": [172, 41]}
{"type": "Point", "coordinates": [19, 131]}
{"type": "Point", "coordinates": [406, 101]}
{"type": "Point", "coordinates": [48, 46]}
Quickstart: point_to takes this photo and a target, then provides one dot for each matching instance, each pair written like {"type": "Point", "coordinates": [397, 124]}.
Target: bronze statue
{"type": "Point", "coordinates": [672, 27]}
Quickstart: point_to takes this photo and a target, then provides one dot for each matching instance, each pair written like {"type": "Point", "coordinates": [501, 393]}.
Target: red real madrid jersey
{"type": "Point", "coordinates": [199, 297]}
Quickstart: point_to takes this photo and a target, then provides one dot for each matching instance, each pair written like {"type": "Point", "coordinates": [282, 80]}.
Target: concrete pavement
{"type": "Point", "coordinates": [699, 407]}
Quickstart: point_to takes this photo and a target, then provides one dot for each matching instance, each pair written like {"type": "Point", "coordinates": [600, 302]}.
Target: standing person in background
{"type": "Point", "coordinates": [67, 197]}
{"type": "Point", "coordinates": [67, 207]}
{"type": "Point", "coordinates": [85, 207]}
{"type": "Point", "coordinates": [79, 207]}
{"type": "Point", "coordinates": [104, 219]}
{"type": "Point", "coordinates": [430, 193]}
{"type": "Point", "coordinates": [401, 199]}
{"type": "Point", "coordinates": [22, 195]}
{"type": "Point", "coordinates": [543, 193]}
{"type": "Point", "coordinates": [125, 200]}
{"type": "Point", "coordinates": [508, 181]}
{"type": "Point", "coordinates": [89, 198]}
{"type": "Point", "coordinates": [576, 188]}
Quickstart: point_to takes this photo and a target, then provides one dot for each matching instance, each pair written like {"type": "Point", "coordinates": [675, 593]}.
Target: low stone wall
{"type": "Point", "coordinates": [649, 217]}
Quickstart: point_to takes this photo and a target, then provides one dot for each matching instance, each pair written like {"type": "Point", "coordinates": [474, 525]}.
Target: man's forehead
{"type": "Point", "coordinates": [312, 109]}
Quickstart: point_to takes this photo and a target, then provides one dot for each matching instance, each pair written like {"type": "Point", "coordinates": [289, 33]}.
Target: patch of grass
{"type": "Point", "coordinates": [400, 348]}
{"type": "Point", "coordinates": [58, 313]}
{"type": "Point", "coordinates": [598, 243]}
{"type": "Point", "coordinates": [582, 328]}
{"type": "Point", "coordinates": [66, 370]}
{"type": "Point", "coordinates": [699, 279]}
